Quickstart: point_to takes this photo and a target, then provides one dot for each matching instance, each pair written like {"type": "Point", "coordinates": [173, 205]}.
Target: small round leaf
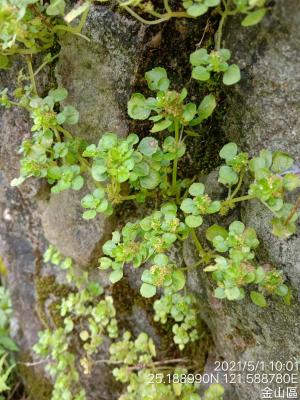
{"type": "Point", "coordinates": [232, 75]}
{"type": "Point", "coordinates": [216, 230]}
{"type": "Point", "coordinates": [157, 79]}
{"type": "Point", "coordinates": [196, 189]}
{"type": "Point", "coordinates": [148, 146]}
{"type": "Point", "coordinates": [193, 221]}
{"type": "Point", "coordinates": [147, 290]}
{"type": "Point", "coordinates": [116, 275]}
{"type": "Point", "coordinates": [137, 107]}
{"type": "Point", "coordinates": [229, 151]}
{"type": "Point", "coordinates": [200, 73]}
{"type": "Point", "coordinates": [197, 9]}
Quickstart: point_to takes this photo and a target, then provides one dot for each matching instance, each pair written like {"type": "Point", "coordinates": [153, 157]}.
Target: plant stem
{"type": "Point", "coordinates": [33, 364]}
{"type": "Point", "coordinates": [229, 194]}
{"type": "Point", "coordinates": [27, 51]}
{"type": "Point", "coordinates": [130, 197]}
{"type": "Point", "coordinates": [270, 208]}
{"type": "Point", "coordinates": [65, 132]}
{"type": "Point", "coordinates": [14, 103]}
{"type": "Point", "coordinates": [110, 362]}
{"type": "Point", "coordinates": [218, 37]}
{"type": "Point", "coordinates": [57, 135]}
{"type": "Point", "coordinates": [205, 256]}
{"type": "Point", "coordinates": [31, 75]}
{"type": "Point", "coordinates": [69, 135]}
{"type": "Point", "coordinates": [238, 199]}
{"type": "Point", "coordinates": [238, 185]}
{"type": "Point", "coordinates": [82, 20]}
{"type": "Point", "coordinates": [173, 361]}
{"type": "Point", "coordinates": [65, 28]}
{"type": "Point", "coordinates": [175, 162]}
{"type": "Point", "coordinates": [167, 6]}
{"type": "Point", "coordinates": [193, 266]}
{"type": "Point", "coordinates": [224, 14]}
{"type": "Point", "coordinates": [164, 17]}
{"type": "Point", "coordinates": [76, 30]}
{"type": "Point", "coordinates": [154, 13]}
{"type": "Point", "coordinates": [44, 64]}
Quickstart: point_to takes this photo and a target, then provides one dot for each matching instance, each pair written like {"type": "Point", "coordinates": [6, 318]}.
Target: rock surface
{"type": "Point", "coordinates": [61, 214]}
{"type": "Point", "coordinates": [264, 108]}
{"type": "Point", "coordinates": [98, 75]}
{"type": "Point", "coordinates": [262, 111]}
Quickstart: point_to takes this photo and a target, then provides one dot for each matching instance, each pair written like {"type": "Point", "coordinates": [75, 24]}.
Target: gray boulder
{"type": "Point", "coordinates": [262, 111]}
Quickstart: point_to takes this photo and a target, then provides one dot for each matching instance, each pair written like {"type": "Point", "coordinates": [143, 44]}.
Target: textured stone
{"type": "Point", "coordinates": [97, 74]}
{"type": "Point", "coordinates": [29, 215]}
{"type": "Point", "coordinates": [21, 238]}
{"type": "Point", "coordinates": [262, 112]}
{"type": "Point", "coordinates": [243, 332]}
{"type": "Point", "coordinates": [21, 246]}
{"type": "Point", "coordinates": [65, 228]}
{"type": "Point", "coordinates": [100, 72]}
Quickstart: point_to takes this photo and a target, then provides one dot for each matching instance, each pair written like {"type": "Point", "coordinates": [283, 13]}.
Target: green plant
{"type": "Point", "coordinates": [172, 114]}
{"type": "Point", "coordinates": [205, 64]}
{"type": "Point", "coordinates": [28, 27]}
{"type": "Point", "coordinates": [89, 315]}
{"type": "Point", "coordinates": [116, 161]}
{"type": "Point", "coordinates": [273, 177]}
{"type": "Point", "coordinates": [129, 169]}
{"type": "Point", "coordinates": [139, 368]}
{"type": "Point", "coordinates": [195, 8]}
{"type": "Point", "coordinates": [214, 392]}
{"type": "Point", "coordinates": [182, 309]}
{"type": "Point", "coordinates": [5, 372]}
{"type": "Point", "coordinates": [23, 30]}
{"type": "Point", "coordinates": [147, 240]}
{"type": "Point", "coordinates": [168, 105]}
{"type": "Point", "coordinates": [6, 343]}
{"type": "Point", "coordinates": [255, 10]}
{"type": "Point", "coordinates": [44, 152]}
{"type": "Point", "coordinates": [240, 269]}
{"type": "Point", "coordinates": [54, 344]}
{"type": "Point", "coordinates": [199, 205]}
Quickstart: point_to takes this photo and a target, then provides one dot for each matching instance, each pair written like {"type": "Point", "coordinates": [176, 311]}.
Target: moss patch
{"type": "Point", "coordinates": [47, 286]}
